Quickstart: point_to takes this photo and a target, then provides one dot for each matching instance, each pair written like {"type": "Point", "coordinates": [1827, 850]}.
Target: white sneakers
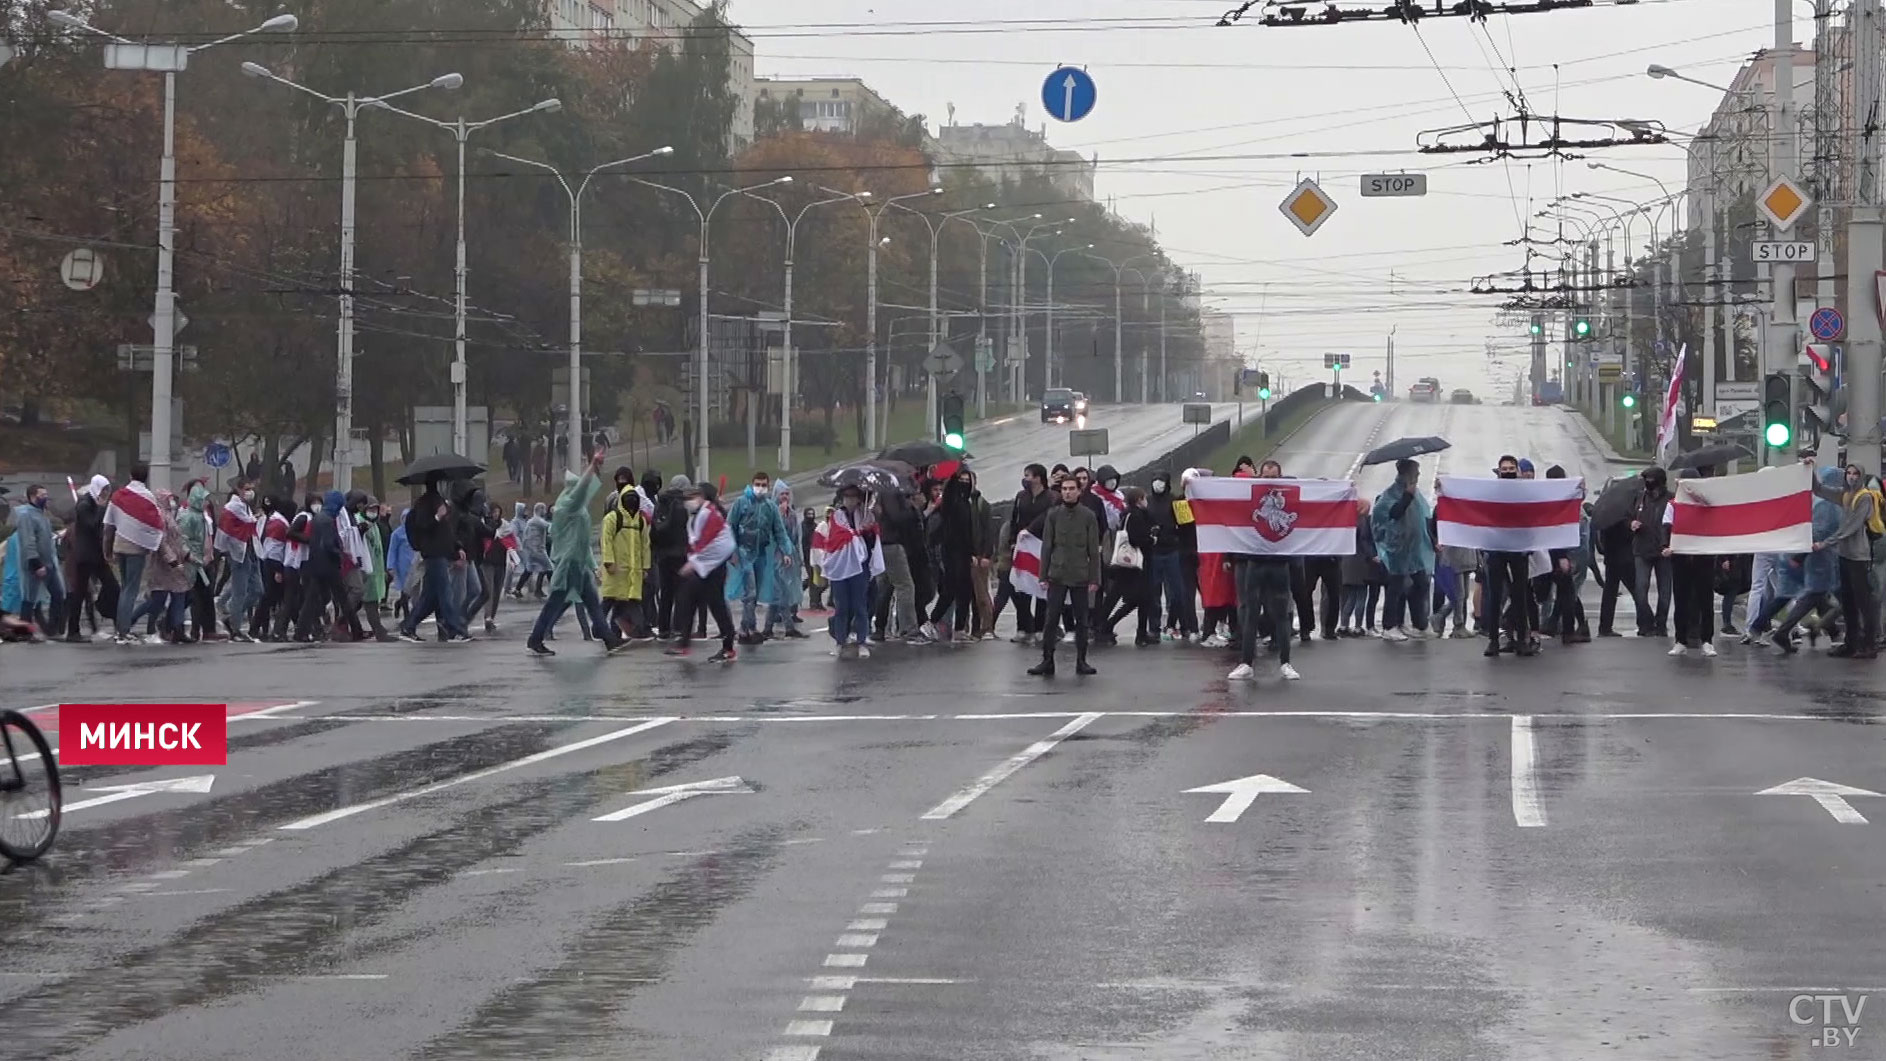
{"type": "Point", "coordinates": [1676, 650]}
{"type": "Point", "coordinates": [1395, 634]}
{"type": "Point", "coordinates": [1243, 672]}
{"type": "Point", "coordinates": [1709, 649]}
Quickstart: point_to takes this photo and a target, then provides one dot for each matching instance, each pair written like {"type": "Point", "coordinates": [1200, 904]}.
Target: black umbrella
{"type": "Point", "coordinates": [872, 477]}
{"type": "Point", "coordinates": [920, 454]}
{"type": "Point", "coordinates": [1719, 453]}
{"type": "Point", "coordinates": [441, 466]}
{"type": "Point", "coordinates": [897, 469]}
{"type": "Point", "coordinates": [1405, 449]}
{"type": "Point", "coordinates": [1616, 502]}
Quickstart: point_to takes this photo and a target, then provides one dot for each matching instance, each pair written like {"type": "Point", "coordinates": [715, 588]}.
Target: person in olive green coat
{"type": "Point", "coordinates": [1070, 571]}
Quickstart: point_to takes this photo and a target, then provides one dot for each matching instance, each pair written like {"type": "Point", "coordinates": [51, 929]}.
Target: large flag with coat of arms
{"type": "Point", "coordinates": [1274, 517]}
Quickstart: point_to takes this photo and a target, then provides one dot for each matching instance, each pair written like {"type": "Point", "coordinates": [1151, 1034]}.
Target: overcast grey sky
{"type": "Point", "coordinates": [1191, 120]}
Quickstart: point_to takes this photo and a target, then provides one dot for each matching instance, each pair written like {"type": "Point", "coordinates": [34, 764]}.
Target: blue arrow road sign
{"type": "Point", "coordinates": [216, 455]}
{"type": "Point", "coordinates": [1826, 324]}
{"type": "Point", "coordinates": [1069, 94]}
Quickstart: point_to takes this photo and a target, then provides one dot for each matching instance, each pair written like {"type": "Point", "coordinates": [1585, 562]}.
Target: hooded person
{"type": "Point", "coordinates": [323, 573]}
{"type": "Point", "coordinates": [1398, 521]}
{"type": "Point", "coordinates": [668, 542]}
{"type": "Point", "coordinates": [573, 579]}
{"type": "Point", "coordinates": [764, 547]}
{"type": "Point", "coordinates": [783, 606]}
{"type": "Point", "coordinates": [711, 547]}
{"type": "Point", "coordinates": [429, 531]}
{"type": "Point", "coordinates": [1816, 574]}
{"type": "Point", "coordinates": [237, 527]}
{"type": "Point", "coordinates": [1650, 553]}
{"type": "Point", "coordinates": [366, 511]}
{"type": "Point", "coordinates": [37, 558]}
{"type": "Point", "coordinates": [534, 550]}
{"type": "Point", "coordinates": [400, 561]}
{"type": "Point", "coordinates": [625, 560]}
{"type": "Point", "coordinates": [85, 548]}
{"type": "Point", "coordinates": [955, 544]}
{"type": "Point", "coordinates": [193, 522]}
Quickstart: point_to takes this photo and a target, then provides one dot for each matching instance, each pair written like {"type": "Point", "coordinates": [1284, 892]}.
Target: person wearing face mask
{"type": "Point", "coordinates": [704, 574]}
{"type": "Point", "coordinates": [573, 581]}
{"type": "Point", "coordinates": [1399, 527]}
{"type": "Point", "coordinates": [1029, 504]}
{"type": "Point", "coordinates": [494, 538]}
{"type": "Point", "coordinates": [194, 524]}
{"type": "Point", "coordinates": [294, 564]}
{"type": "Point", "coordinates": [1849, 542]}
{"type": "Point", "coordinates": [38, 561]}
{"type": "Point", "coordinates": [955, 541]}
{"type": "Point", "coordinates": [1164, 574]}
{"type": "Point", "coordinates": [763, 549]}
{"type": "Point", "coordinates": [981, 560]}
{"type": "Point", "coordinates": [235, 539]}
{"type": "Point", "coordinates": [85, 544]}
{"type": "Point", "coordinates": [1507, 573]}
{"type": "Point", "coordinates": [850, 556]}
{"type": "Point", "coordinates": [1070, 572]}
{"type": "Point", "coordinates": [370, 536]}
{"type": "Point", "coordinates": [1650, 543]}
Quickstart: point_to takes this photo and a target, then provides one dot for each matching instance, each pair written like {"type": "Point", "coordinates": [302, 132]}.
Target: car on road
{"type": "Point", "coordinates": [1426, 389]}
{"type": "Point", "coordinates": [1057, 406]}
{"type": "Point", "coordinates": [1462, 396]}
{"type": "Point", "coordinates": [1080, 403]}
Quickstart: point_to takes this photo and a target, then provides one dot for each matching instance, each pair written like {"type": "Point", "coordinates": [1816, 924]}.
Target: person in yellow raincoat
{"type": "Point", "coordinates": [626, 558]}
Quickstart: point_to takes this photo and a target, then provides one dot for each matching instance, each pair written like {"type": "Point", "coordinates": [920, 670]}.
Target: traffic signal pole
{"type": "Point", "coordinates": [1781, 351]}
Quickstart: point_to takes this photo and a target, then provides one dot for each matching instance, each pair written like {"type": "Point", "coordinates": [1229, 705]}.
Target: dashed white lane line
{"type": "Point", "coordinates": [1008, 767]}
{"type": "Point", "coordinates": [822, 1004]}
{"type": "Point", "coordinates": [866, 924]}
{"type": "Point", "coordinates": [1528, 811]}
{"type": "Point", "coordinates": [819, 1028]}
{"type": "Point", "coordinates": [793, 1053]}
{"type": "Point", "coordinates": [859, 940]}
{"type": "Point", "coordinates": [846, 961]}
{"type": "Point", "coordinates": [324, 818]}
{"type": "Point", "coordinates": [889, 893]}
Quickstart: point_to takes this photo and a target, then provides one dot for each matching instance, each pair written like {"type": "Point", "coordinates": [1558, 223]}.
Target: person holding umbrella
{"type": "Point", "coordinates": [429, 530]}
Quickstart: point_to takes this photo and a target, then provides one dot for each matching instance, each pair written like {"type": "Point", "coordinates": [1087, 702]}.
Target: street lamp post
{"type": "Point", "coordinates": [1119, 354]}
{"type": "Point", "coordinates": [351, 105]}
{"type": "Point", "coordinates": [122, 54]}
{"type": "Point", "coordinates": [706, 217]}
{"type": "Point", "coordinates": [936, 320]}
{"type": "Point", "coordinates": [461, 131]}
{"type": "Point", "coordinates": [871, 306]}
{"type": "Point", "coordinates": [786, 387]}
{"type": "Point", "coordinates": [576, 280]}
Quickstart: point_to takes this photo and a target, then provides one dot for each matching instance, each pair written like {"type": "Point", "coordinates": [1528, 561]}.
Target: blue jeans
{"type": "Point", "coordinates": [1355, 601]}
{"type": "Point", "coordinates": [558, 603]}
{"type": "Point", "coordinates": [243, 591]}
{"type": "Point", "coordinates": [130, 577]}
{"type": "Point", "coordinates": [1167, 572]}
{"type": "Point", "coordinates": [851, 608]}
{"type": "Point", "coordinates": [435, 594]}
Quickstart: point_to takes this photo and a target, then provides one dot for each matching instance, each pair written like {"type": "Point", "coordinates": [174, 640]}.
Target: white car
{"type": "Point", "coordinates": [1426, 390]}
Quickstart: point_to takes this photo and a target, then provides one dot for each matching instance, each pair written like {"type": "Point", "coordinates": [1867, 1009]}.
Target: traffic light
{"type": "Point", "coordinates": [1629, 401]}
{"type": "Point", "coordinates": [1581, 328]}
{"type": "Point", "coordinates": [1538, 326]}
{"type": "Point", "coordinates": [1777, 411]}
{"type": "Point", "coordinates": [953, 436]}
{"type": "Point", "coordinates": [1263, 385]}
{"type": "Point", "coordinates": [1820, 405]}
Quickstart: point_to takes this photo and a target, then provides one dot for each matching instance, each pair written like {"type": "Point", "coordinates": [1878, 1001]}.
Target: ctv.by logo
{"type": "Point", "coordinates": [1837, 1016]}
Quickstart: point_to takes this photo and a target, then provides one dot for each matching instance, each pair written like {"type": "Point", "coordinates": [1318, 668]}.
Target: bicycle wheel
{"type": "Point", "coordinates": [30, 803]}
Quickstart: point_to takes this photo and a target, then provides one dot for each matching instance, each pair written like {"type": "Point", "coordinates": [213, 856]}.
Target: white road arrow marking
{"type": "Point", "coordinates": [670, 794]}
{"type": "Point", "coordinates": [1067, 98]}
{"type": "Point", "coordinates": [1831, 797]}
{"type": "Point", "coordinates": [200, 783]}
{"type": "Point", "coordinates": [1240, 794]}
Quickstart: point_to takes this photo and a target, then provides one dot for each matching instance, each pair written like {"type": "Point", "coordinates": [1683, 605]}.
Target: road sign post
{"type": "Point", "coordinates": [1089, 443]}
{"type": "Point", "coordinates": [1827, 324]}
{"type": "Point", "coordinates": [1308, 206]}
{"type": "Point", "coordinates": [1778, 252]}
{"type": "Point", "coordinates": [1393, 185]}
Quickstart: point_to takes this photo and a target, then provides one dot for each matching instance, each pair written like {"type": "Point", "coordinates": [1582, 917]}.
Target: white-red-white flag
{"type": "Point", "coordinates": [1024, 572]}
{"type": "Point", "coordinates": [1509, 515]}
{"type": "Point", "coordinates": [1771, 511]}
{"type": "Point", "coordinates": [134, 514]}
{"type": "Point", "coordinates": [1666, 421]}
{"type": "Point", "coordinates": [1274, 517]}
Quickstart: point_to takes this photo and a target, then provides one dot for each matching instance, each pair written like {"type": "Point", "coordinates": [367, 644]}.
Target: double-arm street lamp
{"type": "Point", "coordinates": [1119, 353]}
{"type": "Point", "coordinates": [701, 449]}
{"type": "Point", "coordinates": [170, 59]}
{"type": "Point", "coordinates": [787, 383]}
{"type": "Point", "coordinates": [461, 131]}
{"type": "Point", "coordinates": [874, 215]}
{"type": "Point", "coordinates": [576, 280]}
{"type": "Point", "coordinates": [351, 105]}
{"type": "Point", "coordinates": [935, 225]}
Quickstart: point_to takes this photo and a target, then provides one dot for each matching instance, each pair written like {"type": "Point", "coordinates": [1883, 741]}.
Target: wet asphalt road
{"type": "Point", "coordinates": [929, 856]}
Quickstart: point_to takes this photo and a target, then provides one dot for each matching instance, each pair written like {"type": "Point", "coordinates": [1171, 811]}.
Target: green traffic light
{"type": "Point", "coordinates": [1378, 398]}
{"type": "Point", "coordinates": [953, 440]}
{"type": "Point", "coordinates": [1581, 328]}
{"type": "Point", "coordinates": [1777, 435]}
{"type": "Point", "coordinates": [1264, 393]}
{"type": "Point", "coordinates": [1630, 401]}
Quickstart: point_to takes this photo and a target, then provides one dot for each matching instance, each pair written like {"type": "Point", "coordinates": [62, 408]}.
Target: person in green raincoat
{"type": "Point", "coordinates": [193, 524]}
{"type": "Point", "coordinates": [573, 565]}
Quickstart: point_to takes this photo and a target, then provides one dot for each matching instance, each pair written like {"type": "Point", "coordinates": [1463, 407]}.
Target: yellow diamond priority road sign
{"type": "Point", "coordinates": [1783, 203]}
{"type": "Point", "coordinates": [1308, 207]}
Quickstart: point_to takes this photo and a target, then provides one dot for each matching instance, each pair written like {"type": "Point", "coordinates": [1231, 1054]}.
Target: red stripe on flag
{"type": "Point", "coordinates": [1508, 515]}
{"type": "Point", "coordinates": [1751, 517]}
{"type": "Point", "coordinates": [1311, 515]}
{"type": "Point", "coordinates": [1028, 563]}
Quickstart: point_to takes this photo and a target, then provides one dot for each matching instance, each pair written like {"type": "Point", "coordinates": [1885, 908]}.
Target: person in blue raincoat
{"type": "Point", "coordinates": [782, 606]}
{"type": "Point", "coordinates": [761, 548]}
{"type": "Point", "coordinates": [533, 547]}
{"type": "Point", "coordinates": [1399, 522]}
{"type": "Point", "coordinates": [399, 563]}
{"type": "Point", "coordinates": [1819, 570]}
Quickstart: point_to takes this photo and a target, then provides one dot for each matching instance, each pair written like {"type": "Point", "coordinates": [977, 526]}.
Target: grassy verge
{"type": "Point", "coordinates": [906, 423]}
{"type": "Point", "coordinates": [1255, 443]}
{"type": "Point", "coordinates": [1627, 442]}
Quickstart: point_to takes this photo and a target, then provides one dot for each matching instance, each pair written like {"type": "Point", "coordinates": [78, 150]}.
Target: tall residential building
{"type": "Point", "coordinates": [827, 104]}
{"type": "Point", "coordinates": [1007, 152]}
{"type": "Point", "coordinates": [665, 22]}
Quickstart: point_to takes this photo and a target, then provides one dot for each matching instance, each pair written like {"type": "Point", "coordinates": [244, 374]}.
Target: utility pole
{"type": "Point", "coordinates": [1779, 352]}
{"type": "Point", "coordinates": [1866, 242]}
{"type": "Point", "coordinates": [1826, 151]}
{"type": "Point", "coordinates": [1711, 287]}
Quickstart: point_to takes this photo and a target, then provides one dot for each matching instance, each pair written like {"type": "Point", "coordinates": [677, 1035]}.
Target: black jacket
{"type": "Point", "coordinates": [1649, 540]}
{"type": "Point", "coordinates": [1028, 509]}
{"type": "Point", "coordinates": [432, 538]}
{"type": "Point", "coordinates": [88, 531]}
{"type": "Point", "coordinates": [668, 538]}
